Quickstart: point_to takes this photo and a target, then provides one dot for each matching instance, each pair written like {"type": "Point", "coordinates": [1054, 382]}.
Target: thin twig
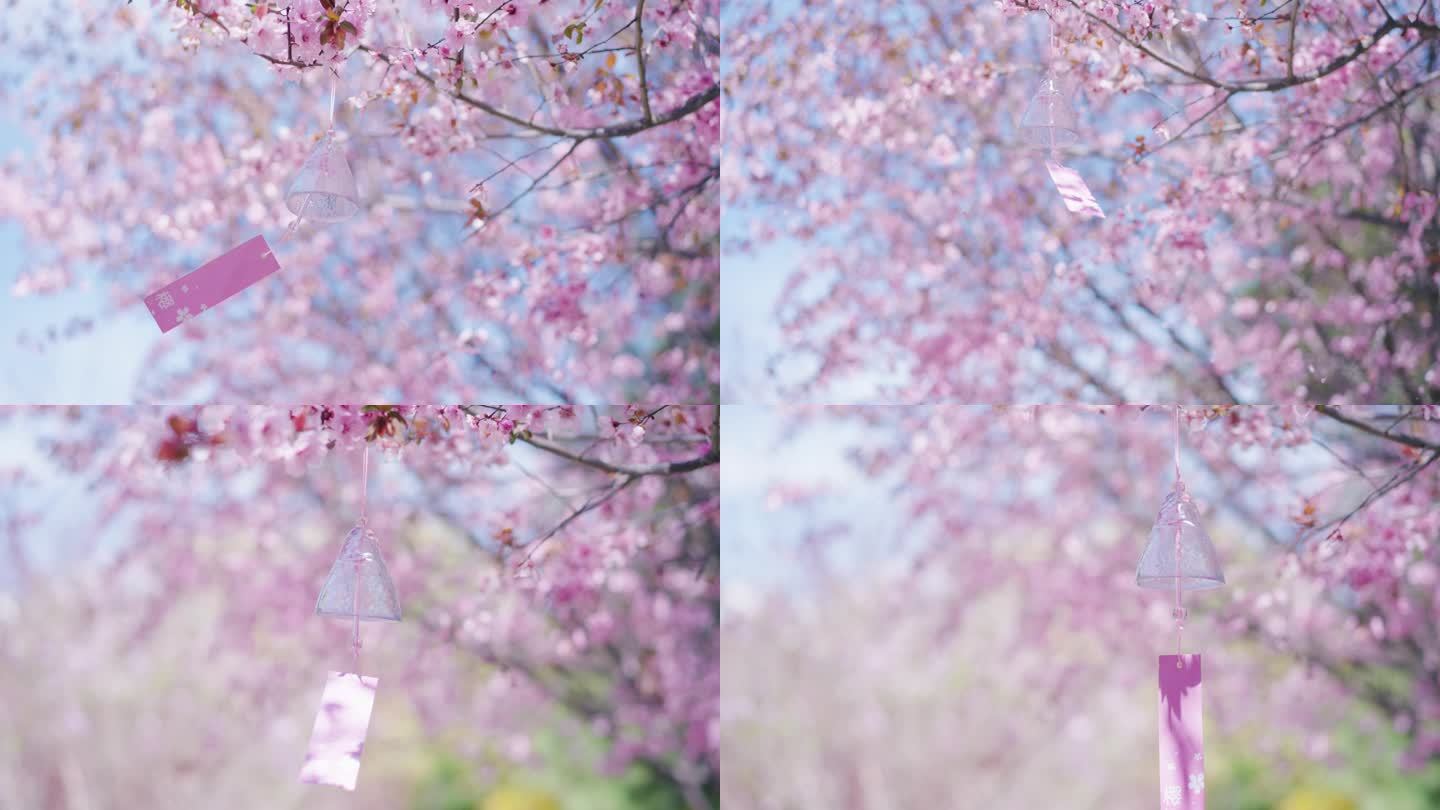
{"type": "Point", "coordinates": [1410, 441]}
{"type": "Point", "coordinates": [1273, 83]}
{"type": "Point", "coordinates": [640, 55]}
{"type": "Point", "coordinates": [594, 503]}
{"type": "Point", "coordinates": [1332, 528]}
{"type": "Point", "coordinates": [711, 456]}
{"type": "Point", "coordinates": [620, 130]}
{"type": "Point", "coordinates": [533, 183]}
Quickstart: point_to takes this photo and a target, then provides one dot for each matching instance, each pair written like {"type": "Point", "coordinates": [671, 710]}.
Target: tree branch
{"type": "Point", "coordinates": [640, 55]}
{"type": "Point", "coordinates": [1403, 95]}
{"type": "Point", "coordinates": [535, 181]}
{"type": "Point", "coordinates": [711, 456]}
{"type": "Point", "coordinates": [1332, 528]}
{"type": "Point", "coordinates": [620, 130]}
{"type": "Point", "coordinates": [1409, 441]}
{"type": "Point", "coordinates": [1273, 83]}
{"type": "Point", "coordinates": [589, 505]}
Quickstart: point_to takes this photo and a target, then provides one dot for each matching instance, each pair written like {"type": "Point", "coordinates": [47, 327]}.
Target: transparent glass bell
{"type": "Point", "coordinates": [1050, 121]}
{"type": "Point", "coordinates": [324, 190]}
{"type": "Point", "coordinates": [1199, 565]}
{"type": "Point", "coordinates": [359, 583]}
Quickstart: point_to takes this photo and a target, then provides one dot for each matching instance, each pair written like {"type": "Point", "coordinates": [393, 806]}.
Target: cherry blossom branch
{"type": "Point", "coordinates": [429, 289]}
{"type": "Point", "coordinates": [591, 504]}
{"type": "Point", "coordinates": [1273, 83]}
{"type": "Point", "coordinates": [620, 130]}
{"type": "Point", "coordinates": [1400, 438]}
{"type": "Point", "coordinates": [1062, 355]}
{"type": "Point", "coordinates": [684, 195]}
{"type": "Point", "coordinates": [1348, 674]}
{"type": "Point", "coordinates": [710, 457]}
{"type": "Point", "coordinates": [515, 162]}
{"type": "Point", "coordinates": [1223, 102]}
{"type": "Point", "coordinates": [1403, 95]}
{"type": "Point", "coordinates": [640, 56]}
{"type": "Point", "coordinates": [448, 205]}
{"type": "Point", "coordinates": [1290, 58]}
{"type": "Point", "coordinates": [1404, 476]}
{"type": "Point", "coordinates": [535, 181]}
{"type": "Point", "coordinates": [1200, 356]}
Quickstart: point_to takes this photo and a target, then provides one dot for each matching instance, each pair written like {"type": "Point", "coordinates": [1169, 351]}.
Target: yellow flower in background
{"type": "Point", "coordinates": [520, 798]}
{"type": "Point", "coordinates": [1315, 799]}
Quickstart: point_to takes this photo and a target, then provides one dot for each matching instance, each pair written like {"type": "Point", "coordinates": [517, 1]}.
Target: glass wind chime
{"type": "Point", "coordinates": [1050, 124]}
{"type": "Point", "coordinates": [359, 588]}
{"type": "Point", "coordinates": [1179, 556]}
{"type": "Point", "coordinates": [323, 191]}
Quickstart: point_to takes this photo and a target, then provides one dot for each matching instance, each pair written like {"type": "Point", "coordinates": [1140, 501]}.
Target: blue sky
{"type": "Point", "coordinates": [761, 544]}
{"type": "Point", "coordinates": [98, 367]}
{"type": "Point", "coordinates": [67, 510]}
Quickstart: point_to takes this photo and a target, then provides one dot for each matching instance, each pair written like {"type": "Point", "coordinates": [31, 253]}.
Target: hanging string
{"type": "Point", "coordinates": [334, 82]}
{"type": "Point", "coordinates": [355, 641]}
{"type": "Point", "coordinates": [293, 226]}
{"type": "Point", "coordinates": [1177, 445]}
{"type": "Point", "coordinates": [305, 206]}
{"type": "Point", "coordinates": [364, 483]}
{"type": "Point", "coordinates": [1049, 39]}
{"type": "Point", "coordinates": [1179, 525]}
{"type": "Point", "coordinates": [365, 526]}
{"type": "Point", "coordinates": [1048, 82]}
{"type": "Point", "coordinates": [404, 29]}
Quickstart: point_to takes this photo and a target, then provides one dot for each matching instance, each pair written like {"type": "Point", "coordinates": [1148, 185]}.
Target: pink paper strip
{"type": "Point", "coordinates": [1182, 739]}
{"type": "Point", "coordinates": [1077, 196]}
{"type": "Point", "coordinates": [338, 738]}
{"type": "Point", "coordinates": [211, 283]}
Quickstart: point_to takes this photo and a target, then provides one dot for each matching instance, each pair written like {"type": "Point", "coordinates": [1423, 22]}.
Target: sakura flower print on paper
{"type": "Point", "coordinates": [1182, 740]}
{"type": "Point", "coordinates": [211, 283]}
{"type": "Point", "coordinates": [338, 738]}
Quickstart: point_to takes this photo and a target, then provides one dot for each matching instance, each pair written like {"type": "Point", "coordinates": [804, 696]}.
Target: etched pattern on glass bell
{"type": "Point", "coordinates": [359, 583]}
{"type": "Point", "coordinates": [1050, 121]}
{"type": "Point", "coordinates": [324, 190]}
{"type": "Point", "coordinates": [1199, 566]}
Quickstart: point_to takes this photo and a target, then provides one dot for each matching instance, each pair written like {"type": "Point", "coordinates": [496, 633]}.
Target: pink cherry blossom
{"type": "Point", "coordinates": [945, 594]}
{"type": "Point", "coordinates": [1270, 231]}
{"type": "Point", "coordinates": [552, 577]}
{"type": "Point", "coordinates": [138, 169]}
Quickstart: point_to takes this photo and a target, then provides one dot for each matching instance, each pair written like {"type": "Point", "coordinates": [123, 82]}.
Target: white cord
{"type": "Point", "coordinates": [334, 81]}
